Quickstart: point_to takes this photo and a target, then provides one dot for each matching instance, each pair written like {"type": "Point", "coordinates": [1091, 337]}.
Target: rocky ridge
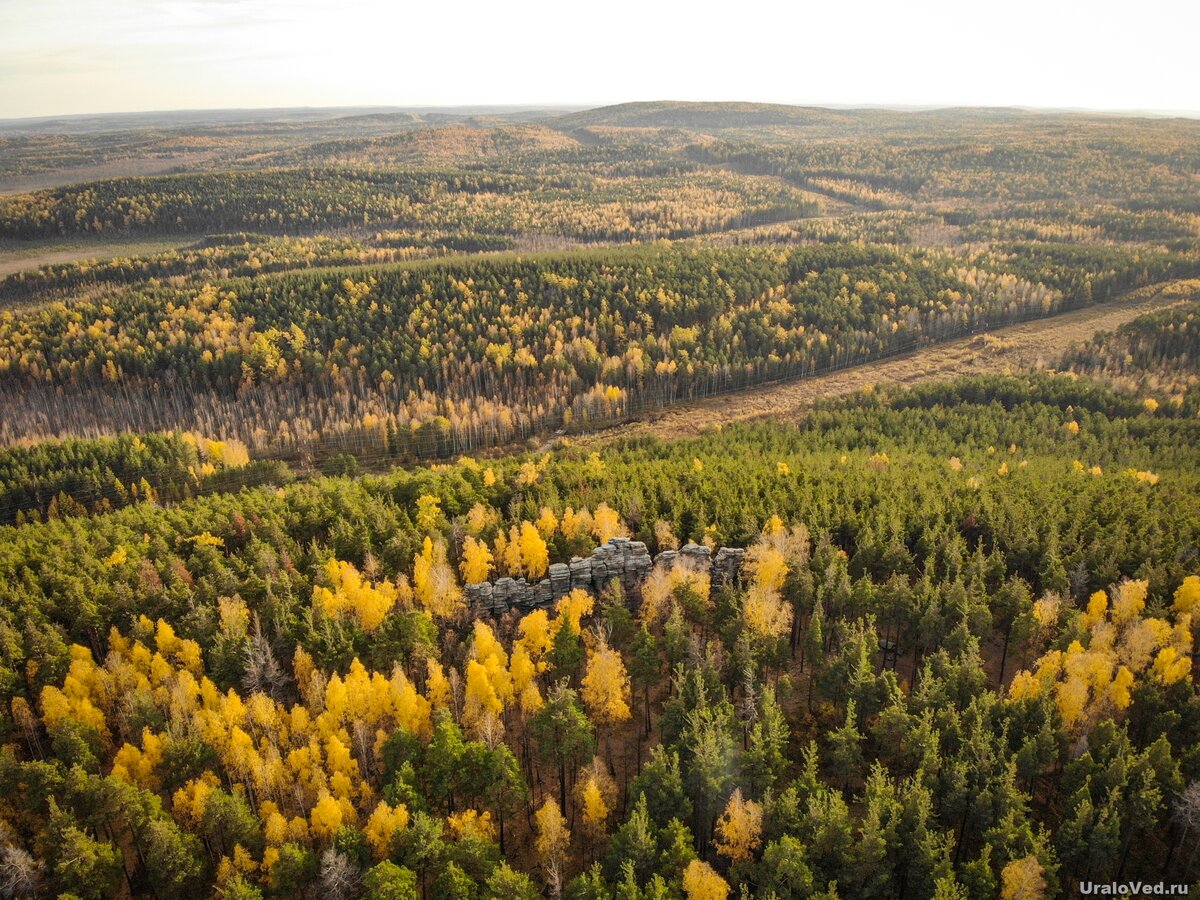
{"type": "Point", "coordinates": [618, 560]}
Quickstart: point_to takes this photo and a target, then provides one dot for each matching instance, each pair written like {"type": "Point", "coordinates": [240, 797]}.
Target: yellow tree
{"type": "Point", "coordinates": [481, 705]}
{"type": "Point", "coordinates": [433, 582]}
{"type": "Point", "coordinates": [765, 612]}
{"type": "Point", "coordinates": [552, 838]}
{"type": "Point", "coordinates": [701, 882]}
{"type": "Point", "coordinates": [429, 513]}
{"type": "Point", "coordinates": [596, 793]}
{"type": "Point", "coordinates": [605, 686]}
{"type": "Point", "coordinates": [480, 517]}
{"type": "Point", "coordinates": [384, 824]}
{"type": "Point", "coordinates": [739, 829]}
{"type": "Point", "coordinates": [1023, 879]}
{"type": "Point", "coordinates": [664, 583]}
{"type": "Point", "coordinates": [606, 524]}
{"type": "Point", "coordinates": [535, 555]}
{"type": "Point", "coordinates": [326, 817]}
{"type": "Point", "coordinates": [571, 609]}
{"type": "Point", "coordinates": [1187, 597]}
{"type": "Point", "coordinates": [547, 523]}
{"type": "Point", "coordinates": [476, 561]}
{"type": "Point", "coordinates": [437, 685]}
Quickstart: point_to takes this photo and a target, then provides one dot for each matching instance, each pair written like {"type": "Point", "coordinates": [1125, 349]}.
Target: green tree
{"type": "Point", "coordinates": [563, 733]}
{"type": "Point", "coordinates": [388, 881]}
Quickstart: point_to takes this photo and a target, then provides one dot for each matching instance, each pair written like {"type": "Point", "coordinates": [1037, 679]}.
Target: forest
{"type": "Point", "coordinates": [908, 692]}
{"type": "Point", "coordinates": [281, 399]}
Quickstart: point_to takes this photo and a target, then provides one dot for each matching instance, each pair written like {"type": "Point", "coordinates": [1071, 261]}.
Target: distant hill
{"type": "Point", "coordinates": [728, 116]}
{"type": "Point", "coordinates": [438, 145]}
{"type": "Point", "coordinates": [202, 118]}
{"type": "Point", "coordinates": [679, 114]}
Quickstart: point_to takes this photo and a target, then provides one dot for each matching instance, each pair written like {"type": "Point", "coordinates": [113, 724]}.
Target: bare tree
{"type": "Point", "coordinates": [340, 877]}
{"type": "Point", "coordinates": [263, 672]}
{"type": "Point", "coordinates": [20, 873]}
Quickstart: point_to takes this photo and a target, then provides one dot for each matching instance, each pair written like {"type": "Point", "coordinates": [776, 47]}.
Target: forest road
{"type": "Point", "coordinates": [1011, 348]}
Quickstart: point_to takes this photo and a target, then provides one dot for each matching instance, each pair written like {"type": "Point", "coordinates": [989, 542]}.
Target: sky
{"type": "Point", "coordinates": [62, 57]}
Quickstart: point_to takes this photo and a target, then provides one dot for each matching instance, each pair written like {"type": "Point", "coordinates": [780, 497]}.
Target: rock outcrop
{"type": "Point", "coordinates": [619, 560]}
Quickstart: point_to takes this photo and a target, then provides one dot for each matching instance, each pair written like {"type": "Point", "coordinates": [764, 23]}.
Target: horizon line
{"type": "Point", "coordinates": [1138, 112]}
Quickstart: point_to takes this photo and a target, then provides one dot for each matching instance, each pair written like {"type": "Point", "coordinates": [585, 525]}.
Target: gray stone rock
{"type": "Point", "coordinates": [622, 560]}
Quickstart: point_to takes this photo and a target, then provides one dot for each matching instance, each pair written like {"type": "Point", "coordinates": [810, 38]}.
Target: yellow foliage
{"type": "Point", "coordinates": [572, 608]}
{"type": "Point", "coordinates": [595, 465]}
{"type": "Point", "coordinates": [535, 555]}
{"type": "Point", "coordinates": [275, 826]}
{"type": "Point", "coordinates": [547, 523]}
{"type": "Point", "coordinates": [1095, 676]}
{"type": "Point", "coordinates": [606, 524]}
{"type": "Point", "coordinates": [411, 711]}
{"type": "Point", "coordinates": [481, 700]}
{"type": "Point", "coordinates": [535, 632]}
{"type": "Point", "coordinates": [204, 539]}
{"type": "Point", "coordinates": [552, 836]}
{"type": "Point", "coordinates": [1130, 601]}
{"type": "Point", "coordinates": [522, 668]}
{"type": "Point", "coordinates": [433, 582]}
{"type": "Point", "coordinates": [766, 564]}
{"type": "Point", "coordinates": [739, 829]}
{"type": "Point", "coordinates": [528, 474]}
{"type": "Point", "coordinates": [476, 562]}
{"type": "Point", "coordinates": [481, 517]}
{"type": "Point", "coordinates": [189, 802]}
{"type": "Point", "coordinates": [605, 687]}
{"type": "Point", "coordinates": [137, 766]}
{"type": "Point", "coordinates": [701, 882]}
{"type": "Point", "coordinates": [429, 513]}
{"type": "Point", "coordinates": [1187, 596]}
{"type": "Point", "coordinates": [596, 794]}
{"type": "Point", "coordinates": [1119, 689]}
{"type": "Point", "coordinates": [595, 810]}
{"type": "Point", "coordinates": [1096, 611]}
{"type": "Point", "coordinates": [437, 685]}
{"type": "Point", "coordinates": [470, 824]}
{"type": "Point", "coordinates": [664, 535]}
{"type": "Point", "coordinates": [383, 825]}
{"type": "Point", "coordinates": [1170, 667]}
{"type": "Point", "coordinates": [1145, 477]}
{"type": "Point", "coordinates": [326, 817]}
{"type": "Point", "coordinates": [662, 584]}
{"type": "Point", "coordinates": [1023, 879]}
{"type": "Point", "coordinates": [765, 613]}
{"type": "Point", "coordinates": [531, 699]}
{"type": "Point", "coordinates": [1047, 610]}
{"type": "Point", "coordinates": [350, 593]}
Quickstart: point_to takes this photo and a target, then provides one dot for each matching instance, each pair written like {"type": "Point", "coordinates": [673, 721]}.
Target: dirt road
{"type": "Point", "coordinates": [1013, 347]}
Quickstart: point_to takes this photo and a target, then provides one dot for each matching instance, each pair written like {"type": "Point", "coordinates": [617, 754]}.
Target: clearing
{"type": "Point", "coordinates": [17, 256]}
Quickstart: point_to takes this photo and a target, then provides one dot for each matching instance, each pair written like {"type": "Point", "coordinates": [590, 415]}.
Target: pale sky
{"type": "Point", "coordinates": [86, 56]}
